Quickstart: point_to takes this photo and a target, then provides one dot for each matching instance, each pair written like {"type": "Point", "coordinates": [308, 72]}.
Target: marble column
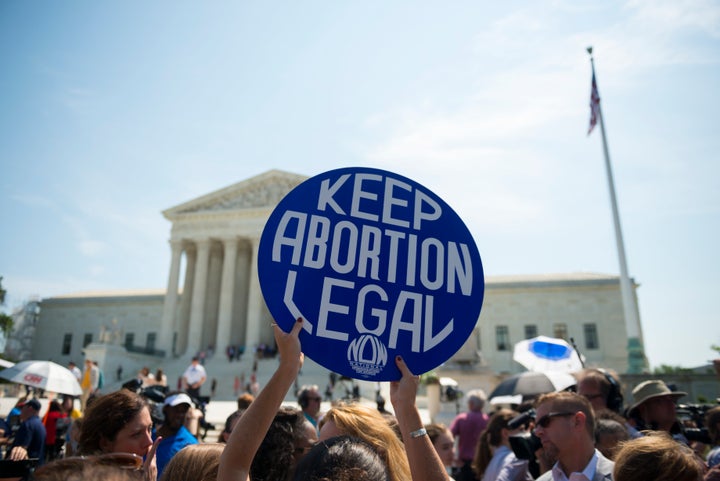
{"type": "Point", "coordinates": [240, 300]}
{"type": "Point", "coordinates": [227, 288]}
{"type": "Point", "coordinates": [186, 301]}
{"type": "Point", "coordinates": [168, 327]}
{"type": "Point", "coordinates": [212, 296]}
{"type": "Point", "coordinates": [255, 302]}
{"type": "Point", "coordinates": [197, 306]}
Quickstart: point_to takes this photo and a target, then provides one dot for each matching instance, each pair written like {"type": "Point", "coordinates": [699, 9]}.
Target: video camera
{"type": "Point", "coordinates": [695, 414]}
{"type": "Point", "coordinates": [155, 395]}
{"type": "Point", "coordinates": [524, 444]}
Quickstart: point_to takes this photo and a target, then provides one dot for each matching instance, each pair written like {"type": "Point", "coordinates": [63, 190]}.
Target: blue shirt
{"type": "Point", "coordinates": [31, 436]}
{"type": "Point", "coordinates": [713, 457]}
{"type": "Point", "coordinates": [170, 445]}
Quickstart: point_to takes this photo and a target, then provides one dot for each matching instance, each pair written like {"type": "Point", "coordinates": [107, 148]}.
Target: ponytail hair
{"type": "Point", "coordinates": [490, 437]}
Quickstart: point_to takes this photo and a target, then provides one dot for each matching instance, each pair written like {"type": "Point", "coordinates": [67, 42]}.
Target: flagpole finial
{"type": "Point", "coordinates": [589, 50]}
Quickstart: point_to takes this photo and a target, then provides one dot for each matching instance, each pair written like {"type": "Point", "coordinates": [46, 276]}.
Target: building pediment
{"type": "Point", "coordinates": [262, 191]}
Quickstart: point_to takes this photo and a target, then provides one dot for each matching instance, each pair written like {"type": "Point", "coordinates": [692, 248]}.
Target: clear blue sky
{"type": "Point", "coordinates": [114, 111]}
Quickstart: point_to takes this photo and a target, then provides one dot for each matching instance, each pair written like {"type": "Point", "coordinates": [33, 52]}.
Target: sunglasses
{"type": "Point", "coordinates": [129, 461]}
{"type": "Point", "coordinates": [545, 420]}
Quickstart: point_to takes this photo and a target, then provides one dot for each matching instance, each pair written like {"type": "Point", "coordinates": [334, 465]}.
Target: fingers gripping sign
{"type": "Point", "coordinates": [289, 343]}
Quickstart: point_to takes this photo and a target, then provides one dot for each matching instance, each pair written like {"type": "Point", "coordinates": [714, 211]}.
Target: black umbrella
{"type": "Point", "coordinates": [531, 384]}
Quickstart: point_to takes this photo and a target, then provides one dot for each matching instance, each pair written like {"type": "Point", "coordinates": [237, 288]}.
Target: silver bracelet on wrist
{"type": "Point", "coordinates": [419, 433]}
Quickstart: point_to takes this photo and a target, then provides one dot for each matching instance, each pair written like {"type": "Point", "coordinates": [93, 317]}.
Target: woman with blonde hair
{"type": "Point", "coordinates": [422, 462]}
{"type": "Point", "coordinates": [493, 457]}
{"type": "Point", "coordinates": [369, 425]}
{"type": "Point", "coordinates": [197, 462]}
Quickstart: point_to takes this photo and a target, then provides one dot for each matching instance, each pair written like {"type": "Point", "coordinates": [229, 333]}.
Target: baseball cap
{"type": "Point", "coordinates": [175, 399]}
{"type": "Point", "coordinates": [33, 403]}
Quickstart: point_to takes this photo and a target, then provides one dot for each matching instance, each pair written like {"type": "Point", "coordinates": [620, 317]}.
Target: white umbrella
{"type": "Point", "coordinates": [4, 363]}
{"type": "Point", "coordinates": [543, 354]}
{"type": "Point", "coordinates": [43, 375]}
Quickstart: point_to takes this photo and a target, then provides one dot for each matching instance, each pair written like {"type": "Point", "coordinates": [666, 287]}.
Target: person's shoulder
{"type": "Point", "coordinates": [547, 476]}
{"type": "Point", "coordinates": [713, 457]}
{"type": "Point", "coordinates": [604, 465]}
{"type": "Point", "coordinates": [460, 417]}
{"type": "Point", "coordinates": [186, 436]}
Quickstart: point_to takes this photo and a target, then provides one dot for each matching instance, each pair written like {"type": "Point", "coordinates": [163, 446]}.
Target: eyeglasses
{"type": "Point", "coordinates": [545, 420]}
{"type": "Point", "coordinates": [590, 397]}
{"type": "Point", "coordinates": [122, 460]}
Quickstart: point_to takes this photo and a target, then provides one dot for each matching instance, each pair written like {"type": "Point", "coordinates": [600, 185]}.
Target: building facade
{"type": "Point", "coordinates": [213, 296]}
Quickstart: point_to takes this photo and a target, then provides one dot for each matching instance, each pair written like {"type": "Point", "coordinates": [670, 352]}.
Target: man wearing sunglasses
{"type": "Point", "coordinates": [565, 424]}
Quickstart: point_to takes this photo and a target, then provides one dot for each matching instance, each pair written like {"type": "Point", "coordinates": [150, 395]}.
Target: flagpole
{"type": "Point", "coordinates": [637, 362]}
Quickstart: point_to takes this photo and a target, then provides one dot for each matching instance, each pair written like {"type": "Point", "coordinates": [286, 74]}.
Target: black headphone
{"type": "Point", "coordinates": [614, 397]}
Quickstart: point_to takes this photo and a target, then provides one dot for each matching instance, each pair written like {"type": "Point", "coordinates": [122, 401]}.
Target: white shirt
{"type": "Point", "coordinates": [504, 466]}
{"type": "Point", "coordinates": [194, 374]}
{"type": "Point", "coordinates": [586, 474]}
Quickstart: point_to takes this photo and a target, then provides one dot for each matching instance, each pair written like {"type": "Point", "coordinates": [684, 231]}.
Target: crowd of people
{"type": "Point", "coordinates": [585, 434]}
{"type": "Point", "coordinates": [588, 434]}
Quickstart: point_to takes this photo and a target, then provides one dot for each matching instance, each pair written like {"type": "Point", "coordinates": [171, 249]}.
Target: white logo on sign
{"type": "Point", "coordinates": [367, 355]}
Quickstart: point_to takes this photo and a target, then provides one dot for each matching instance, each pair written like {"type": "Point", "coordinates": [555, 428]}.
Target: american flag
{"type": "Point", "coordinates": [594, 105]}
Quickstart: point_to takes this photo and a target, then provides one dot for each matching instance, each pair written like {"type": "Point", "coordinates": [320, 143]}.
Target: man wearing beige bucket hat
{"type": "Point", "coordinates": [654, 407]}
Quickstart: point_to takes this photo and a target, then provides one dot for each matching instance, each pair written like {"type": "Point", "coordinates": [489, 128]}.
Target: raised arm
{"type": "Point", "coordinates": [254, 423]}
{"type": "Point", "coordinates": [425, 464]}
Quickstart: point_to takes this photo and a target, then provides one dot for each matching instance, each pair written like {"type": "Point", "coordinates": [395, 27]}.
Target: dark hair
{"type": "Point", "coordinates": [229, 421]}
{"type": "Point", "coordinates": [304, 395]}
{"type": "Point", "coordinates": [54, 406]}
{"type": "Point", "coordinates": [274, 459]}
{"type": "Point", "coordinates": [608, 385]}
{"type": "Point", "coordinates": [491, 436]}
{"type": "Point", "coordinates": [712, 418]}
{"type": "Point", "coordinates": [106, 416]}
{"type": "Point", "coordinates": [342, 458]}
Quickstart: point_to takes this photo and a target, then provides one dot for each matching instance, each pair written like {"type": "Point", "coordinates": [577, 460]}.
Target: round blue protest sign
{"type": "Point", "coordinates": [377, 266]}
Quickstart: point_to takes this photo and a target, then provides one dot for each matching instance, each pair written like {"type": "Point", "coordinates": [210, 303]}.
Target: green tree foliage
{"type": "Point", "coordinates": [667, 369]}
{"type": "Point", "coordinates": [6, 323]}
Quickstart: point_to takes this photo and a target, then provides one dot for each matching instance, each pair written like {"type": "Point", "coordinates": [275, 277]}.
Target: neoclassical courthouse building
{"type": "Point", "coordinates": [213, 296]}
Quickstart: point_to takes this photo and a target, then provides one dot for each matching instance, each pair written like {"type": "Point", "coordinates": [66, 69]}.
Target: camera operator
{"type": "Point", "coordinates": [601, 388]}
{"type": "Point", "coordinates": [654, 408]}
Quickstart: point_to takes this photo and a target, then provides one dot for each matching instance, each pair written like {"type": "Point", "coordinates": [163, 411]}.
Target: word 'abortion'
{"type": "Point", "coordinates": [353, 247]}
